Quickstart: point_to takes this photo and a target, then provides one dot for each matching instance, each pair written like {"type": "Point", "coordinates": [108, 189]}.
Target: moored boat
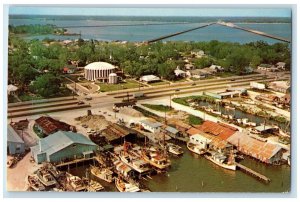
{"type": "Point", "coordinates": [221, 160]}
{"type": "Point", "coordinates": [94, 186]}
{"type": "Point", "coordinates": [195, 148]}
{"type": "Point", "coordinates": [45, 177]}
{"type": "Point", "coordinates": [156, 159]}
{"type": "Point", "coordinates": [122, 186]}
{"type": "Point", "coordinates": [52, 169]}
{"type": "Point", "coordinates": [102, 173]}
{"type": "Point", "coordinates": [172, 148]}
{"type": "Point", "coordinates": [34, 183]}
{"type": "Point", "coordinates": [75, 183]}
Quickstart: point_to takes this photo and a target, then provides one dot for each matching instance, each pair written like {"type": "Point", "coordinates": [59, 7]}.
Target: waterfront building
{"type": "Point", "coordinates": [264, 151]}
{"type": "Point", "coordinates": [116, 134]}
{"type": "Point", "coordinates": [62, 146]}
{"type": "Point", "coordinates": [151, 125]}
{"type": "Point", "coordinates": [15, 145]}
{"type": "Point", "coordinates": [47, 125]}
{"type": "Point", "coordinates": [223, 131]}
{"type": "Point", "coordinates": [98, 71]}
{"type": "Point", "coordinates": [200, 140]}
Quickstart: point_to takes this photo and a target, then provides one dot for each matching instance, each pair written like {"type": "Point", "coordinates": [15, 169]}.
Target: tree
{"type": "Point", "coordinates": [46, 85]}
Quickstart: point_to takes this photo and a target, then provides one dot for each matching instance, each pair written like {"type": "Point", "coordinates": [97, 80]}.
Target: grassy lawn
{"type": "Point", "coordinates": [180, 80]}
{"type": "Point", "coordinates": [194, 120]}
{"type": "Point", "coordinates": [161, 108]}
{"type": "Point", "coordinates": [105, 87]}
{"type": "Point", "coordinates": [159, 83]}
{"type": "Point", "coordinates": [187, 100]}
{"type": "Point", "coordinates": [28, 97]}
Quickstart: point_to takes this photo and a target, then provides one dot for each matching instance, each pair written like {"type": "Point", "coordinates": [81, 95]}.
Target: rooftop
{"type": "Point", "coordinates": [218, 129]}
{"type": "Point", "coordinates": [150, 123]}
{"type": "Point", "coordinates": [99, 66]}
{"type": "Point", "coordinates": [12, 135]}
{"type": "Point", "coordinates": [50, 125]}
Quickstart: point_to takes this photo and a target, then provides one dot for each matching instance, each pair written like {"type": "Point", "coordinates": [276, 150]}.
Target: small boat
{"type": "Point", "coordinates": [156, 159]}
{"type": "Point", "coordinates": [196, 148]}
{"type": "Point", "coordinates": [45, 177]}
{"type": "Point", "coordinates": [102, 173]}
{"type": "Point", "coordinates": [34, 183]}
{"type": "Point", "coordinates": [75, 182]}
{"type": "Point", "coordinates": [52, 169]}
{"type": "Point", "coordinates": [220, 160]}
{"type": "Point", "coordinates": [172, 148]}
{"type": "Point", "coordinates": [94, 186]}
{"type": "Point", "coordinates": [122, 186]}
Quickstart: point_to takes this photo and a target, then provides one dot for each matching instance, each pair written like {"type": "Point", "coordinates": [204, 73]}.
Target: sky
{"type": "Point", "coordinates": [234, 12]}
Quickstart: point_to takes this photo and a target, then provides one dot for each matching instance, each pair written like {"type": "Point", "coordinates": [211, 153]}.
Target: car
{"type": "Point", "coordinates": [88, 98]}
{"type": "Point", "coordinates": [232, 79]}
{"type": "Point", "coordinates": [193, 84]}
{"type": "Point", "coordinates": [177, 90]}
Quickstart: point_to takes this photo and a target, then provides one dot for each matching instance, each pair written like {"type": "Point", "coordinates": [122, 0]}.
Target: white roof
{"type": "Point", "coordinates": [99, 66]}
{"type": "Point", "coordinates": [11, 87]}
{"type": "Point", "coordinates": [149, 78]}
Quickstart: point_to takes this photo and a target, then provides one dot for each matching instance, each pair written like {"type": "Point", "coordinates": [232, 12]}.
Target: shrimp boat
{"type": "Point", "coordinates": [156, 159]}
{"type": "Point", "coordinates": [195, 148]}
{"type": "Point", "coordinates": [122, 186]}
{"type": "Point", "coordinates": [45, 177]}
{"type": "Point", "coordinates": [75, 183]}
{"type": "Point", "coordinates": [172, 148]}
{"type": "Point", "coordinates": [34, 183]}
{"type": "Point", "coordinates": [133, 160]}
{"type": "Point", "coordinates": [222, 160]}
{"type": "Point", "coordinates": [52, 169]}
{"type": "Point", "coordinates": [102, 173]}
{"type": "Point", "coordinates": [94, 186]}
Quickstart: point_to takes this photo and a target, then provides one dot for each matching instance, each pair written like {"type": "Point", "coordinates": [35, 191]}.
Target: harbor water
{"type": "Point", "coordinates": [192, 173]}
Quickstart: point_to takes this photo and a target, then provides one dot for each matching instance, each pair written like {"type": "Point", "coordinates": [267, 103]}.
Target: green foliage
{"type": "Point", "coordinates": [161, 108]}
{"type": "Point", "coordinates": [194, 120]}
{"type": "Point", "coordinates": [34, 29]}
{"type": "Point", "coordinates": [46, 85]}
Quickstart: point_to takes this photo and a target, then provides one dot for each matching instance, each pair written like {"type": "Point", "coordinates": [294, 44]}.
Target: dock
{"type": "Point", "coordinates": [253, 173]}
{"type": "Point", "coordinates": [76, 162]}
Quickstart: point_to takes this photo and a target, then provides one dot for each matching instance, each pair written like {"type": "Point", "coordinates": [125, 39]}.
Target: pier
{"type": "Point", "coordinates": [76, 162]}
{"type": "Point", "coordinates": [253, 173]}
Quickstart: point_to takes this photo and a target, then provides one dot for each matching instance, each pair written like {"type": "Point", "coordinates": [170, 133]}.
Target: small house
{"type": "Point", "coordinates": [15, 145]}
{"type": "Point", "coordinates": [151, 125]}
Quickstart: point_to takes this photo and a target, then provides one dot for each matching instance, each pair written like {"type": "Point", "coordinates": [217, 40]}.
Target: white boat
{"type": "Point", "coordinates": [34, 183]}
{"type": "Point", "coordinates": [220, 159]}
{"type": "Point", "coordinates": [122, 186]}
{"type": "Point", "coordinates": [102, 173]}
{"type": "Point", "coordinates": [195, 148]}
{"type": "Point", "coordinates": [172, 148]}
{"type": "Point", "coordinates": [75, 182]}
{"type": "Point", "coordinates": [156, 159]}
{"type": "Point", "coordinates": [94, 186]}
{"type": "Point", "coordinates": [45, 177]}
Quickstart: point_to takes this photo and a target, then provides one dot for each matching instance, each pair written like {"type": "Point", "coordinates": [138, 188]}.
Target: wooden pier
{"type": "Point", "coordinates": [253, 173]}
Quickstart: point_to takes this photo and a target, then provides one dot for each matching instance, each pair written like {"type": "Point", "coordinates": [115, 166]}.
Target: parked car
{"type": "Point", "coordinates": [88, 98]}
{"type": "Point", "coordinates": [80, 102]}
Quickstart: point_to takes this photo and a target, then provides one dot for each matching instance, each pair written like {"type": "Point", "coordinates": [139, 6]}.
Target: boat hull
{"type": "Point", "coordinates": [195, 151]}
{"type": "Point", "coordinates": [229, 167]}
{"type": "Point", "coordinates": [94, 172]}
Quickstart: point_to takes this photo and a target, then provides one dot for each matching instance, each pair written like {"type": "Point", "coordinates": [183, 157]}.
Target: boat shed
{"type": "Point", "coordinates": [62, 146]}
{"type": "Point", "coordinates": [47, 125]}
{"type": "Point", "coordinates": [151, 125]}
{"type": "Point", "coordinates": [15, 145]}
{"type": "Point", "coordinates": [116, 134]}
{"type": "Point", "coordinates": [263, 151]}
{"type": "Point", "coordinates": [223, 131]}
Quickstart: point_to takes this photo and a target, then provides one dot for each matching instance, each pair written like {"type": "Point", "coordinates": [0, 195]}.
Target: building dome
{"type": "Point", "coordinates": [98, 71]}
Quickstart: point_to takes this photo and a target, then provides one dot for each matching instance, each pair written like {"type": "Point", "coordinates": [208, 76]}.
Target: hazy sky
{"type": "Point", "coordinates": [67, 10]}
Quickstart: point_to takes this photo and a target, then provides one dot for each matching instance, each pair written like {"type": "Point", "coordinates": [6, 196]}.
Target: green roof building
{"type": "Point", "coordinates": [61, 146]}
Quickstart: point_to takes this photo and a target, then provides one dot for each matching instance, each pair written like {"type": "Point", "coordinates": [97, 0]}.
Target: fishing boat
{"type": "Point", "coordinates": [122, 186]}
{"type": "Point", "coordinates": [102, 173]}
{"type": "Point", "coordinates": [94, 186]}
{"type": "Point", "coordinates": [229, 107]}
{"type": "Point", "coordinates": [195, 148]}
{"type": "Point", "coordinates": [221, 160]}
{"type": "Point", "coordinates": [172, 148]}
{"type": "Point", "coordinates": [45, 177]}
{"type": "Point", "coordinates": [133, 160]}
{"type": "Point", "coordinates": [75, 182]}
{"type": "Point", "coordinates": [34, 183]}
{"type": "Point", "coordinates": [52, 169]}
{"type": "Point", "coordinates": [156, 159]}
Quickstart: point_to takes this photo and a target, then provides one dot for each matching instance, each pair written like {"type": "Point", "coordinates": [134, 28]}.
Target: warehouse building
{"type": "Point", "coordinates": [99, 71]}
{"type": "Point", "coordinates": [47, 125]}
{"type": "Point", "coordinates": [62, 146]}
{"type": "Point", "coordinates": [15, 145]}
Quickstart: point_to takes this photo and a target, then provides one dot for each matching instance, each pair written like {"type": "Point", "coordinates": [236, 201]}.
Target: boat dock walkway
{"type": "Point", "coordinates": [253, 173]}
{"type": "Point", "coordinates": [75, 162]}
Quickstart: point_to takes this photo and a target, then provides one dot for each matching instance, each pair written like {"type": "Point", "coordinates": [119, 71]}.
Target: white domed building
{"type": "Point", "coordinates": [98, 71]}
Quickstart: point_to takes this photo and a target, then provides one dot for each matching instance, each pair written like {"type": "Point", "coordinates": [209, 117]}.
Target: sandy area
{"type": "Point", "coordinates": [16, 176]}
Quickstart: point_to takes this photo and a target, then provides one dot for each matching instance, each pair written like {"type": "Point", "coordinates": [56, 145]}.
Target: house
{"type": "Point", "coordinates": [179, 73]}
{"type": "Point", "coordinates": [266, 67]}
{"type": "Point", "coordinates": [216, 68]}
{"type": "Point", "coordinates": [264, 151]}
{"type": "Point", "coordinates": [149, 78]}
{"type": "Point", "coordinates": [48, 125]}
{"type": "Point", "coordinates": [171, 131]}
{"type": "Point", "coordinates": [15, 145]}
{"type": "Point", "coordinates": [69, 69]}
{"type": "Point", "coordinates": [280, 65]}
{"type": "Point", "coordinates": [198, 73]}
{"type": "Point", "coordinates": [62, 146]}
{"type": "Point", "coordinates": [151, 125]}
{"type": "Point", "coordinates": [200, 140]}
{"type": "Point", "coordinates": [280, 86]}
{"type": "Point", "coordinates": [12, 90]}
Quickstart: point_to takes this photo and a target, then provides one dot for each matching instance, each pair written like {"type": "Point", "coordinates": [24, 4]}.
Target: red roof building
{"type": "Point", "coordinates": [48, 125]}
{"type": "Point", "coordinates": [223, 131]}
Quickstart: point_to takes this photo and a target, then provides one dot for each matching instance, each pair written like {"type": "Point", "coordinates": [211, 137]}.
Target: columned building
{"type": "Point", "coordinates": [98, 71]}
